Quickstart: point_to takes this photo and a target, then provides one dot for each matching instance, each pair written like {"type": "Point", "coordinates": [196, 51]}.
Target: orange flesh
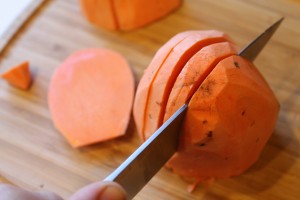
{"type": "Point", "coordinates": [132, 14]}
{"type": "Point", "coordinates": [194, 73]}
{"type": "Point", "coordinates": [90, 96]}
{"type": "Point", "coordinates": [230, 118]}
{"type": "Point", "coordinates": [142, 92]}
{"type": "Point", "coordinates": [167, 74]}
{"type": "Point", "coordinates": [19, 76]}
{"type": "Point", "coordinates": [126, 14]}
{"type": "Point", "coordinates": [100, 12]}
{"type": "Point", "coordinates": [231, 114]}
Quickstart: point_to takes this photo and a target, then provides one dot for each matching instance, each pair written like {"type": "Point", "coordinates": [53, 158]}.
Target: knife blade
{"type": "Point", "coordinates": [254, 48]}
{"type": "Point", "coordinates": [137, 170]}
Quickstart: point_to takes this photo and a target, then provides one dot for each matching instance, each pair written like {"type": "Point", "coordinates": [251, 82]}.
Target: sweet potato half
{"type": "Point", "coordinates": [231, 114]}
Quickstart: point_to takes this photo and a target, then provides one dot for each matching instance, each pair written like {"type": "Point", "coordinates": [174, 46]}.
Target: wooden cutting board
{"type": "Point", "coordinates": [35, 156]}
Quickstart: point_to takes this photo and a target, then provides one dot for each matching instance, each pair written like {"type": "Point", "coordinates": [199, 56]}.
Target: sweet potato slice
{"type": "Point", "coordinates": [100, 13]}
{"type": "Point", "coordinates": [162, 85]}
{"type": "Point", "coordinates": [230, 118]}
{"type": "Point", "coordinates": [90, 96]}
{"type": "Point", "coordinates": [126, 14]}
{"type": "Point", "coordinates": [19, 76]}
{"type": "Point", "coordinates": [142, 92]}
{"type": "Point", "coordinates": [194, 72]}
{"type": "Point", "coordinates": [133, 14]}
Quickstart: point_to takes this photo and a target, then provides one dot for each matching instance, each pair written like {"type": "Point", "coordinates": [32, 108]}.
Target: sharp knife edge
{"type": "Point", "coordinates": [140, 167]}
{"type": "Point", "coordinates": [254, 48]}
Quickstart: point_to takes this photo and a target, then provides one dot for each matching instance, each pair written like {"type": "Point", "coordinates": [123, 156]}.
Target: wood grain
{"type": "Point", "coordinates": [34, 155]}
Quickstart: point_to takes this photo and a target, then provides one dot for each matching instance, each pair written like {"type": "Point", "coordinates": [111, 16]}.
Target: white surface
{"type": "Point", "coordinates": [13, 13]}
{"type": "Point", "coordinates": [9, 12]}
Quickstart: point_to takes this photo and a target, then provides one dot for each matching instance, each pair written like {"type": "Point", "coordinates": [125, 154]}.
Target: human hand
{"type": "Point", "coordinates": [94, 191]}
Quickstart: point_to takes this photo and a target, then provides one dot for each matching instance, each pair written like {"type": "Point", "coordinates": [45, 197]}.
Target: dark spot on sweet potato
{"type": "Point", "coordinates": [236, 64]}
{"type": "Point", "coordinates": [252, 123]}
{"type": "Point", "coordinates": [204, 121]}
{"type": "Point", "coordinates": [209, 134]}
{"type": "Point", "coordinates": [243, 112]}
{"type": "Point", "coordinates": [207, 87]}
{"type": "Point", "coordinates": [201, 144]}
{"type": "Point", "coordinates": [157, 103]}
{"type": "Point", "coordinates": [205, 140]}
{"type": "Point", "coordinates": [150, 116]}
{"type": "Point", "coordinates": [226, 158]}
{"type": "Point", "coordinates": [187, 84]}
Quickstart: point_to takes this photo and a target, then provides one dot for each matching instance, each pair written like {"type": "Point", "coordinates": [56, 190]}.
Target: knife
{"type": "Point", "coordinates": [135, 172]}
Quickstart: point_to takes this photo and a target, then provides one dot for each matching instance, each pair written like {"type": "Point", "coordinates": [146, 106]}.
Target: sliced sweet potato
{"type": "Point", "coordinates": [19, 76]}
{"type": "Point", "coordinates": [164, 81]}
{"type": "Point", "coordinates": [90, 96]}
{"type": "Point", "coordinates": [100, 13]}
{"type": "Point", "coordinates": [133, 14]}
{"type": "Point", "coordinates": [231, 114]}
{"type": "Point", "coordinates": [142, 92]}
{"type": "Point", "coordinates": [194, 72]}
{"type": "Point", "coordinates": [230, 118]}
{"type": "Point", "coordinates": [126, 14]}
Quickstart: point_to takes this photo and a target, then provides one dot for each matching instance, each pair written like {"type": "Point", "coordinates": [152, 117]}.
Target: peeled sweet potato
{"type": "Point", "coordinates": [90, 96]}
{"type": "Point", "coordinates": [19, 76]}
{"type": "Point", "coordinates": [231, 114]}
{"type": "Point", "coordinates": [163, 77]}
{"type": "Point", "coordinates": [143, 89]}
{"type": "Point", "coordinates": [126, 14]}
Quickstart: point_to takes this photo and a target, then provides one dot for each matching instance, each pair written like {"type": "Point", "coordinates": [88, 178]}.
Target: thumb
{"type": "Point", "coordinates": [100, 191]}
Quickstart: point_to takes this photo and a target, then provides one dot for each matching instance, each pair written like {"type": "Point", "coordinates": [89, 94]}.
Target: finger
{"type": "Point", "coordinates": [100, 191]}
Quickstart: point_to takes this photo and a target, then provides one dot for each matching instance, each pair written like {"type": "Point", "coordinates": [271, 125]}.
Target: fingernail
{"type": "Point", "coordinates": [112, 193]}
